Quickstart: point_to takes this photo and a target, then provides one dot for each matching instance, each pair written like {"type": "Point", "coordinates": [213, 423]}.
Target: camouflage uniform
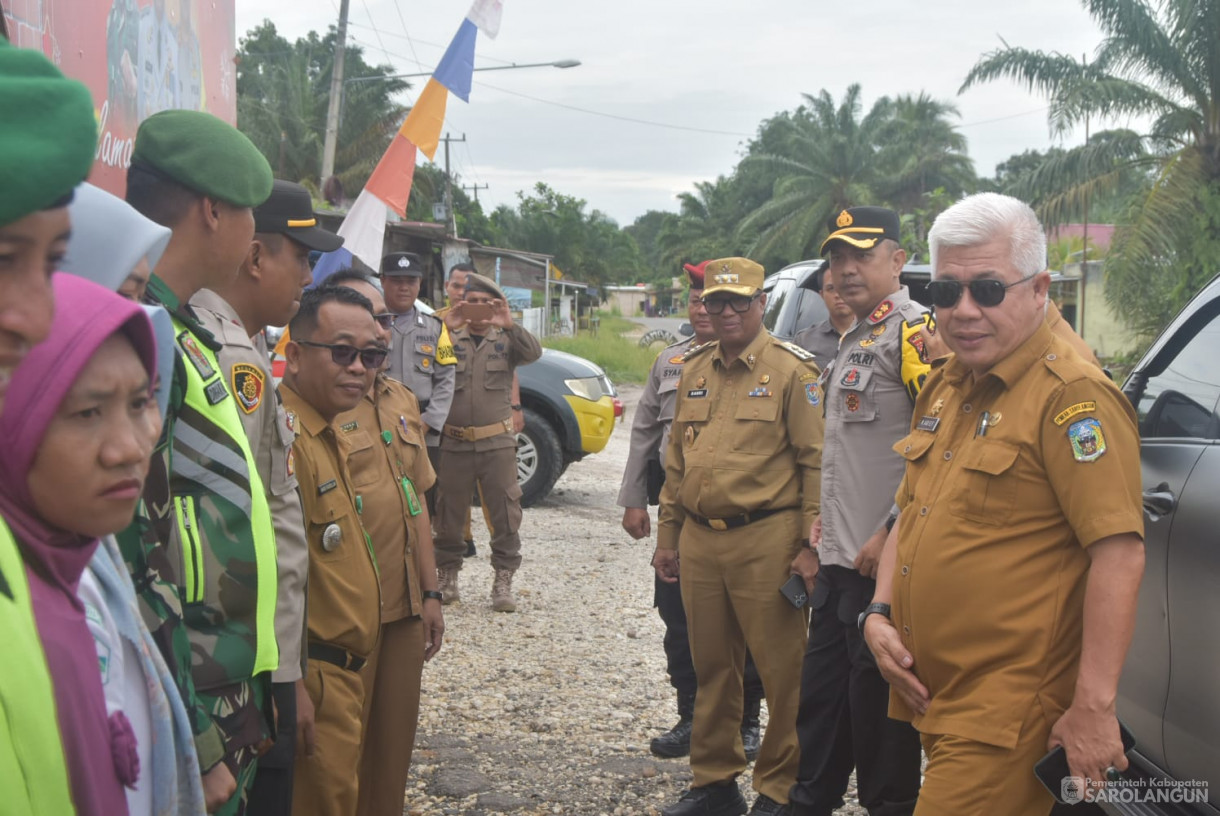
{"type": "Point", "coordinates": [204, 556]}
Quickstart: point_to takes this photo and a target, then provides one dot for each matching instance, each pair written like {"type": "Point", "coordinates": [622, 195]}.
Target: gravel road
{"type": "Point", "coordinates": [550, 710]}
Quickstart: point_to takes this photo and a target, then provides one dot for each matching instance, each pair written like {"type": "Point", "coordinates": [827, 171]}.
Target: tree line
{"type": "Point", "coordinates": [1158, 62]}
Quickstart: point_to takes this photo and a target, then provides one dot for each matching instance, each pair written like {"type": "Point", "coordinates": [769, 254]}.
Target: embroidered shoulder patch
{"type": "Point", "coordinates": [1072, 410]}
{"type": "Point", "coordinates": [195, 354]}
{"type": "Point", "coordinates": [248, 382]}
{"type": "Point", "coordinates": [1088, 442]}
{"type": "Point", "coordinates": [813, 394]}
{"type": "Point", "coordinates": [883, 308]}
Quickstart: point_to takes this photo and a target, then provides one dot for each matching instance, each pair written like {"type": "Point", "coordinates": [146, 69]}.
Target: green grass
{"type": "Point", "coordinates": [622, 358]}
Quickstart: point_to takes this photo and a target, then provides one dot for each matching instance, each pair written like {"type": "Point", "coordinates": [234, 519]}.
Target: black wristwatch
{"type": "Point", "coordinates": [434, 595]}
{"type": "Point", "coordinates": [872, 609]}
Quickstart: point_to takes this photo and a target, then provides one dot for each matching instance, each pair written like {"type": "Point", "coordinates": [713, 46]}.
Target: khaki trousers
{"type": "Point", "coordinates": [730, 591]}
{"type": "Point", "coordinates": [391, 713]}
{"type": "Point", "coordinates": [496, 473]}
{"type": "Point", "coordinates": [325, 784]}
{"type": "Point", "coordinates": [968, 778]}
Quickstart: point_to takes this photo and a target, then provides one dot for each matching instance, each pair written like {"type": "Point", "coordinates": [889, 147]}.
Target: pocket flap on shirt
{"type": "Point", "coordinates": [992, 458]}
{"type": "Point", "coordinates": [695, 410]}
{"type": "Point", "coordinates": [912, 446]}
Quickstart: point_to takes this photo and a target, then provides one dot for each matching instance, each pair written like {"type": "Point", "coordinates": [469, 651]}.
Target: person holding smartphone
{"type": "Point", "coordinates": [479, 443]}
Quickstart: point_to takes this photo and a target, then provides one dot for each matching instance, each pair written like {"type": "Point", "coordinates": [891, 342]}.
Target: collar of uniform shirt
{"type": "Point", "coordinates": [748, 355]}
{"type": "Point", "coordinates": [1012, 367]}
{"type": "Point", "coordinates": [404, 319]}
{"type": "Point", "coordinates": [308, 418]}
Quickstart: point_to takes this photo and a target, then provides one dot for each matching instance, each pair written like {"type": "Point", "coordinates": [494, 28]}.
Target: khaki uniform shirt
{"type": "Point", "coordinates": [746, 436]}
{"type": "Point", "coordinates": [870, 391]}
{"type": "Point", "coordinates": [484, 382]}
{"type": "Point", "coordinates": [820, 340]}
{"type": "Point", "coordinates": [421, 359]}
{"type": "Point", "coordinates": [344, 592]}
{"type": "Point", "coordinates": [991, 565]}
{"type": "Point", "coordinates": [384, 439]}
{"type": "Point", "coordinates": [650, 428]}
{"type": "Point", "coordinates": [246, 369]}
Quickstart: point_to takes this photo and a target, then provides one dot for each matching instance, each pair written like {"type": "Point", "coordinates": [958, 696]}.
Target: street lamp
{"type": "Point", "coordinates": [334, 112]}
{"type": "Point", "coordinates": [565, 63]}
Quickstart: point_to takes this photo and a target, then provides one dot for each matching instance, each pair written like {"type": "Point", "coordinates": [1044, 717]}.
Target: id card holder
{"type": "Point", "coordinates": [413, 508]}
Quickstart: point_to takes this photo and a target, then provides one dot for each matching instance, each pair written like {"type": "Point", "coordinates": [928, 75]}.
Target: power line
{"type": "Point", "coordinates": [1004, 118]}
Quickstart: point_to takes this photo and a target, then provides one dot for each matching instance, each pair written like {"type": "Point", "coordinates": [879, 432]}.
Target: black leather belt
{"type": "Point", "coordinates": [336, 656]}
{"type": "Point", "coordinates": [734, 522]}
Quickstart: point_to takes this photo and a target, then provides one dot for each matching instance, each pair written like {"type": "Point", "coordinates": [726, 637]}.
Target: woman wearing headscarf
{"type": "Point", "coordinates": [76, 449]}
{"type": "Point", "coordinates": [47, 144]}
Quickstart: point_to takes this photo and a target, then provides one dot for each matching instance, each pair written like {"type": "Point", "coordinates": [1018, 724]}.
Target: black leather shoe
{"type": "Point", "coordinates": [766, 805]}
{"type": "Point", "coordinates": [673, 743]}
{"type": "Point", "coordinates": [751, 739]}
{"type": "Point", "coordinates": [724, 799]}
{"type": "Point", "coordinates": [469, 548]}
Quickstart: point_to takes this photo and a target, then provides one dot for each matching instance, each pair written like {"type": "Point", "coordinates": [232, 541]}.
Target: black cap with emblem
{"type": "Point", "coordinates": [402, 263]}
{"type": "Point", "coordinates": [862, 227]}
{"type": "Point", "coordinates": [289, 211]}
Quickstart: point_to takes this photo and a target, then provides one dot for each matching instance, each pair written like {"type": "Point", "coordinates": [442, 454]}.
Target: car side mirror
{"type": "Point", "coordinates": [686, 330]}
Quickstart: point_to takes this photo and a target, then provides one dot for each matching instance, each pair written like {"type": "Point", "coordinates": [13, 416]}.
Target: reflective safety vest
{"type": "Point", "coordinates": [223, 526]}
{"type": "Point", "coordinates": [33, 772]}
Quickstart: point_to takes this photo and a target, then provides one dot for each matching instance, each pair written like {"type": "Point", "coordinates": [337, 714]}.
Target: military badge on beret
{"type": "Point", "coordinates": [248, 383]}
{"type": "Point", "coordinates": [1088, 442]}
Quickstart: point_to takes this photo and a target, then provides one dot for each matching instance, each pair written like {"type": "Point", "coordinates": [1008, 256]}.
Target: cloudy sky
{"type": "Point", "coordinates": [669, 90]}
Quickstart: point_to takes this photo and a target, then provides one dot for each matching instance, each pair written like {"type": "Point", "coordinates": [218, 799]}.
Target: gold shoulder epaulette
{"type": "Point", "coordinates": [800, 353]}
{"type": "Point", "coordinates": [699, 349]}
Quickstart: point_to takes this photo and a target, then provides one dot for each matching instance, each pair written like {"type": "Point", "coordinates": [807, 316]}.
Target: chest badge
{"type": "Point", "coordinates": [676, 360]}
{"type": "Point", "coordinates": [852, 401]}
{"type": "Point", "coordinates": [764, 379]}
{"type": "Point", "coordinates": [850, 377]}
{"type": "Point", "coordinates": [290, 420]}
{"type": "Point", "coordinates": [425, 362]}
{"type": "Point", "coordinates": [759, 392]}
{"type": "Point", "coordinates": [877, 330]}
{"type": "Point", "coordinates": [425, 348]}
{"type": "Point", "coordinates": [290, 467]}
{"type": "Point", "coordinates": [332, 537]}
{"type": "Point", "coordinates": [198, 359]}
{"type": "Point", "coordinates": [688, 436]}
{"type": "Point", "coordinates": [702, 381]}
{"type": "Point", "coordinates": [937, 406]}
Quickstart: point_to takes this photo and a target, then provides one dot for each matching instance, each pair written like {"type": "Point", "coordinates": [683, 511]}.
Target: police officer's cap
{"type": "Point", "coordinates": [735, 276]}
{"type": "Point", "coordinates": [479, 283]}
{"type": "Point", "coordinates": [402, 263]}
{"type": "Point", "coordinates": [204, 154]}
{"type": "Point", "coordinates": [289, 211]}
{"type": "Point", "coordinates": [48, 136]}
{"type": "Point", "coordinates": [862, 227]}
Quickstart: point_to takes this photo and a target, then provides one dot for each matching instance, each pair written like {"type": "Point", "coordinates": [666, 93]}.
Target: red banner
{"type": "Point", "coordinates": [137, 57]}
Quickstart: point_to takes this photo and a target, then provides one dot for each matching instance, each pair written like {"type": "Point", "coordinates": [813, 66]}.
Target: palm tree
{"type": "Point", "coordinates": [702, 228]}
{"type": "Point", "coordinates": [921, 151]}
{"type": "Point", "coordinates": [1158, 61]}
{"type": "Point", "coordinates": [825, 160]}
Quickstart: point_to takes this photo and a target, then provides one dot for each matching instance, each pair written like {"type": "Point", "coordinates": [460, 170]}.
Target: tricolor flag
{"type": "Point", "coordinates": [390, 183]}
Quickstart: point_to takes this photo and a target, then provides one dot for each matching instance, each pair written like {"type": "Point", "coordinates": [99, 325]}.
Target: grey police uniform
{"type": "Point", "coordinates": [418, 361]}
{"type": "Point", "coordinates": [821, 340]}
{"type": "Point", "coordinates": [650, 429]}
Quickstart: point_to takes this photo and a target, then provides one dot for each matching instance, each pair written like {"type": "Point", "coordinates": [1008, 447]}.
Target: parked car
{"type": "Point", "coordinates": [1169, 695]}
{"type": "Point", "coordinates": [570, 407]}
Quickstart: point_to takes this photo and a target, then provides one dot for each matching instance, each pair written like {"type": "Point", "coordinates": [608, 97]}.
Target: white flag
{"type": "Point", "coordinates": [485, 14]}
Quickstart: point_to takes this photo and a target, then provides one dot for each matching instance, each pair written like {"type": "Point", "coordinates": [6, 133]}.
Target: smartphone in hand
{"type": "Point", "coordinates": [477, 312]}
{"type": "Point", "coordinates": [794, 590]}
{"type": "Point", "coordinates": [1053, 772]}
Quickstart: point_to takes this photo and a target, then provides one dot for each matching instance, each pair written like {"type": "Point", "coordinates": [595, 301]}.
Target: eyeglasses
{"type": "Point", "coordinates": [739, 304]}
{"type": "Point", "coordinates": [984, 291]}
{"type": "Point", "coordinates": [344, 355]}
{"type": "Point", "coordinates": [386, 319]}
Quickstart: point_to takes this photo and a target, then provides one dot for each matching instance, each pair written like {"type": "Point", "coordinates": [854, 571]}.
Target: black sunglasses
{"type": "Point", "coordinates": [739, 304]}
{"type": "Point", "coordinates": [984, 291]}
{"type": "Point", "coordinates": [344, 355]}
{"type": "Point", "coordinates": [386, 319]}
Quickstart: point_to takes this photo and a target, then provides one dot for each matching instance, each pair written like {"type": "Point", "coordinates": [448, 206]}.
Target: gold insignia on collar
{"type": "Point", "coordinates": [844, 219]}
{"type": "Point", "coordinates": [750, 358]}
{"type": "Point", "coordinates": [936, 406]}
{"type": "Point", "coordinates": [764, 379]}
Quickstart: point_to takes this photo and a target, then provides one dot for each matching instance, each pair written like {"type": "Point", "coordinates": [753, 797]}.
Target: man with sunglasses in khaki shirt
{"type": "Point", "coordinates": [1006, 594]}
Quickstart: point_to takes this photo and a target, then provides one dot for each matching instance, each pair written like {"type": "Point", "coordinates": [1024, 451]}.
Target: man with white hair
{"type": "Point", "coordinates": [1006, 591]}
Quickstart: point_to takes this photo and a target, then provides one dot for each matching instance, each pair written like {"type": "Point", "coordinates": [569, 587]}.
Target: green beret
{"type": "Point", "coordinates": [48, 137]}
{"type": "Point", "coordinates": [205, 154]}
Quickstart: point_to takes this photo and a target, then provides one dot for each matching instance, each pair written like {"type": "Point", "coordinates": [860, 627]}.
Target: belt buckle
{"type": "Point", "coordinates": [467, 433]}
{"type": "Point", "coordinates": [717, 524]}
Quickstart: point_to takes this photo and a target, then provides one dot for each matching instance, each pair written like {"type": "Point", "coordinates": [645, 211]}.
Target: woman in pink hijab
{"type": "Point", "coordinates": [76, 433]}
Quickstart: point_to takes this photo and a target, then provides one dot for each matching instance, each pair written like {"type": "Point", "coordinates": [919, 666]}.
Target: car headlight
{"type": "Point", "coordinates": [588, 387]}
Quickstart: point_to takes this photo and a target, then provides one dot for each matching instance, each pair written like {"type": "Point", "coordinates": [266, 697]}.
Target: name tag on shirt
{"type": "Point", "coordinates": [928, 423]}
{"type": "Point", "coordinates": [696, 393]}
{"type": "Point", "coordinates": [326, 487]}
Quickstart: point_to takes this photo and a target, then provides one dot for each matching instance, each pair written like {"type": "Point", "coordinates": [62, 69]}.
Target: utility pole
{"type": "Point", "coordinates": [336, 95]}
{"type": "Point", "coordinates": [1084, 257]}
{"type": "Point", "coordinates": [451, 226]}
{"type": "Point", "coordinates": [475, 189]}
